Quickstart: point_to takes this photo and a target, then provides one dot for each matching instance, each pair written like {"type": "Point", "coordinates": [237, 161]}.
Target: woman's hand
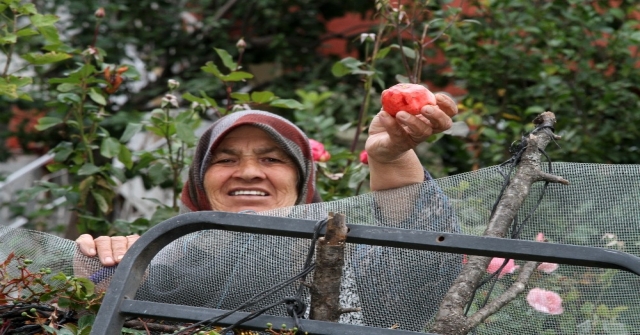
{"type": "Point", "coordinates": [391, 141]}
{"type": "Point", "coordinates": [389, 137]}
{"type": "Point", "coordinates": [109, 250]}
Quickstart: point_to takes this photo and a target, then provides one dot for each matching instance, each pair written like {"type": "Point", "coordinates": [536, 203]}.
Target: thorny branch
{"type": "Point", "coordinates": [451, 318]}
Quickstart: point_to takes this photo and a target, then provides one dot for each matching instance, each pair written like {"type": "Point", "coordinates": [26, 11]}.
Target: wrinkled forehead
{"type": "Point", "coordinates": [247, 139]}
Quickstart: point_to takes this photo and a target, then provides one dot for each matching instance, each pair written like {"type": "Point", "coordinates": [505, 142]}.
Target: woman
{"type": "Point", "coordinates": [257, 161]}
{"type": "Point", "coordinates": [249, 160]}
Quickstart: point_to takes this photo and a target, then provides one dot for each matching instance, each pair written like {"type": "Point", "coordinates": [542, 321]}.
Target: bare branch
{"type": "Point", "coordinates": [506, 297]}
{"type": "Point", "coordinates": [223, 9]}
{"type": "Point", "coordinates": [451, 318]}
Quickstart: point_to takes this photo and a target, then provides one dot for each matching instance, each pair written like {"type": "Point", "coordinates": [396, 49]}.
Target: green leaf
{"type": "Point", "coordinates": [345, 66]}
{"type": "Point", "coordinates": [212, 102]}
{"type": "Point", "coordinates": [212, 69]}
{"type": "Point", "coordinates": [340, 70]}
{"type": "Point", "coordinates": [190, 97]}
{"type": "Point", "coordinates": [50, 33]}
{"type": "Point", "coordinates": [40, 20]}
{"type": "Point", "coordinates": [66, 87]}
{"type": "Point", "coordinates": [25, 96]}
{"type": "Point", "coordinates": [49, 329]}
{"type": "Point", "coordinates": [97, 97]}
{"type": "Point", "coordinates": [9, 39]}
{"type": "Point", "coordinates": [73, 328]}
{"type": "Point", "coordinates": [132, 129]}
{"type": "Point", "coordinates": [185, 133]}
{"type": "Point", "coordinates": [9, 90]}
{"type": "Point", "coordinates": [47, 122]}
{"type": "Point", "coordinates": [27, 9]}
{"type": "Point", "coordinates": [287, 103]}
{"type": "Point", "coordinates": [88, 169]}
{"type": "Point", "coordinates": [87, 284]}
{"type": "Point", "coordinates": [101, 201]}
{"type": "Point", "coordinates": [124, 156]}
{"type": "Point", "coordinates": [63, 150]}
{"type": "Point", "coordinates": [240, 96]}
{"type": "Point", "coordinates": [227, 60]}
{"type": "Point", "coordinates": [434, 138]}
{"type": "Point", "coordinates": [64, 331]}
{"type": "Point", "coordinates": [159, 173]}
{"type": "Point", "coordinates": [262, 97]}
{"type": "Point", "coordinates": [110, 147]}
{"type": "Point", "coordinates": [24, 32]}
{"type": "Point", "coordinates": [410, 53]}
{"type": "Point", "coordinates": [47, 58]}
{"type": "Point", "coordinates": [382, 53]}
{"type": "Point", "coordinates": [53, 167]}
{"type": "Point", "coordinates": [69, 98]}
{"type": "Point", "coordinates": [20, 81]}
{"type": "Point", "coordinates": [237, 76]}
{"type": "Point", "coordinates": [62, 303]}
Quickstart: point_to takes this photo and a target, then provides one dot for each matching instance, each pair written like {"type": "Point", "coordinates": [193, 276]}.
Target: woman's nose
{"type": "Point", "coordinates": [249, 169]}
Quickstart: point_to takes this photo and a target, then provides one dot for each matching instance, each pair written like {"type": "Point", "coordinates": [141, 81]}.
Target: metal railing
{"type": "Point", "coordinates": [119, 301]}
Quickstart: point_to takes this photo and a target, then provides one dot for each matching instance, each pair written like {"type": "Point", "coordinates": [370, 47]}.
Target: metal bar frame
{"type": "Point", "coordinates": [119, 300]}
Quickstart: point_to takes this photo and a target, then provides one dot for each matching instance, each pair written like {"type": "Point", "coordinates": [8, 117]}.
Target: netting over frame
{"type": "Point", "coordinates": [601, 207]}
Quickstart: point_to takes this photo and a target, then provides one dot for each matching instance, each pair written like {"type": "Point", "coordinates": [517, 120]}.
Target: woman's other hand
{"type": "Point", "coordinates": [109, 249]}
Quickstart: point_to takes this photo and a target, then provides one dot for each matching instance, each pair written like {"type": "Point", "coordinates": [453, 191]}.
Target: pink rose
{"type": "Point", "coordinates": [318, 151]}
{"type": "Point", "coordinates": [496, 263]}
{"type": "Point", "coordinates": [547, 267]}
{"type": "Point", "coordinates": [540, 237]}
{"type": "Point", "coordinates": [545, 301]}
{"type": "Point", "coordinates": [364, 157]}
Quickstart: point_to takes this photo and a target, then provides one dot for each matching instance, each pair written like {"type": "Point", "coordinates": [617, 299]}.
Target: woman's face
{"type": "Point", "coordinates": [249, 171]}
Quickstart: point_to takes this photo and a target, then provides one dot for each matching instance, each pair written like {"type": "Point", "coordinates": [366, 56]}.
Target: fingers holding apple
{"type": "Point", "coordinates": [416, 112]}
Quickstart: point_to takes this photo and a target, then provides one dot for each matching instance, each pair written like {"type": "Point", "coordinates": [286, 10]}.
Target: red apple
{"type": "Point", "coordinates": [406, 97]}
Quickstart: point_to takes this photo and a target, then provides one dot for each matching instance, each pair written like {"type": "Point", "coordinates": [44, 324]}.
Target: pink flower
{"type": "Point", "coordinates": [540, 237]}
{"type": "Point", "coordinates": [545, 301]}
{"type": "Point", "coordinates": [496, 263]}
{"type": "Point", "coordinates": [318, 151]}
{"type": "Point", "coordinates": [364, 157]}
{"type": "Point", "coordinates": [547, 267]}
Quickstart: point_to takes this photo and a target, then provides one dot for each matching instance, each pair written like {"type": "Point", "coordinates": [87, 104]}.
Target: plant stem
{"type": "Point", "coordinates": [13, 45]}
{"type": "Point", "coordinates": [172, 162]}
{"type": "Point", "coordinates": [79, 114]}
{"type": "Point", "coordinates": [367, 89]}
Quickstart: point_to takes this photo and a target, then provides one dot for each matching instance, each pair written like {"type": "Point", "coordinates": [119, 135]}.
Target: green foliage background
{"type": "Point", "coordinates": [521, 58]}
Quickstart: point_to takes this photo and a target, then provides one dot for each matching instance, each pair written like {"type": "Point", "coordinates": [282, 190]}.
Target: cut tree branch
{"type": "Point", "coordinates": [451, 318]}
{"type": "Point", "coordinates": [325, 290]}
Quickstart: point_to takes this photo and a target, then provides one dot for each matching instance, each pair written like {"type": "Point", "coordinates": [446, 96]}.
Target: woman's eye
{"type": "Point", "coordinates": [272, 160]}
{"type": "Point", "coordinates": [223, 161]}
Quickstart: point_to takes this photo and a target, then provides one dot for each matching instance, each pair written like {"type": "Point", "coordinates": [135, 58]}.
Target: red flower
{"type": "Point", "coordinates": [318, 151]}
{"type": "Point", "coordinates": [364, 157]}
{"type": "Point", "coordinates": [545, 301]}
{"type": "Point", "coordinates": [496, 263]}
